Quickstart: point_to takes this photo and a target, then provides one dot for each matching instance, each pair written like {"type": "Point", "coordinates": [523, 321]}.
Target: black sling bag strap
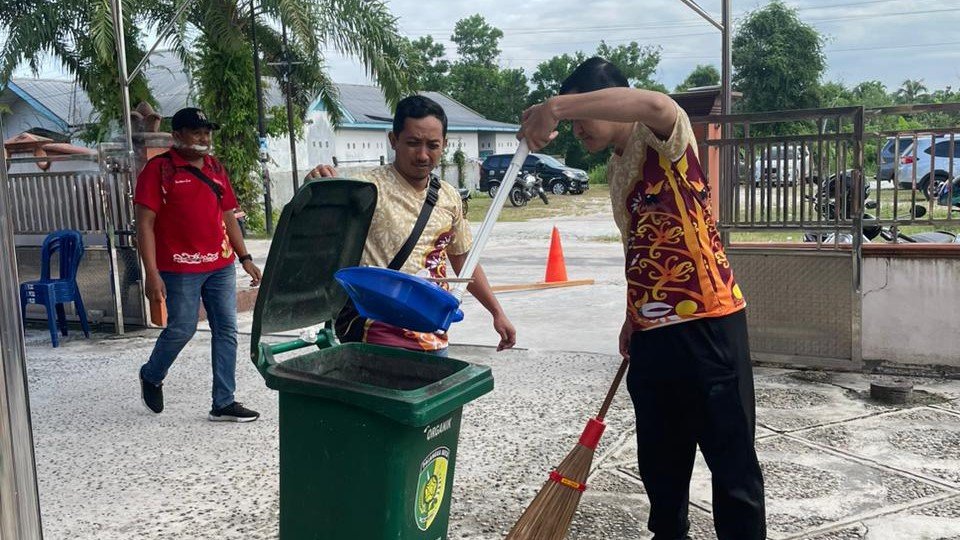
{"type": "Point", "coordinates": [217, 189]}
{"type": "Point", "coordinates": [433, 193]}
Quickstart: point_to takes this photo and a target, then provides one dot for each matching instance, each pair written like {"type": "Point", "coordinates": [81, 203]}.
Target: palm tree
{"type": "Point", "coordinates": [79, 35]}
{"type": "Point", "coordinates": [213, 40]}
{"type": "Point", "coordinates": [912, 91]}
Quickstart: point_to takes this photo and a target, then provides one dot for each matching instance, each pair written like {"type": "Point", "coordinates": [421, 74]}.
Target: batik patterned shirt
{"type": "Point", "coordinates": [676, 268]}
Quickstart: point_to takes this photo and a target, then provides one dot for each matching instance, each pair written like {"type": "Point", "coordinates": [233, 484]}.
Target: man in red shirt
{"type": "Point", "coordinates": [188, 237]}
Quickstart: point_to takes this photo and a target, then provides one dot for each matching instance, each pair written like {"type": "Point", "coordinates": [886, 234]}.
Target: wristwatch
{"type": "Point", "coordinates": [245, 258]}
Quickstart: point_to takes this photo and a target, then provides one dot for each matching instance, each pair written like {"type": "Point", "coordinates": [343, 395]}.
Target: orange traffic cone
{"type": "Point", "coordinates": [556, 267]}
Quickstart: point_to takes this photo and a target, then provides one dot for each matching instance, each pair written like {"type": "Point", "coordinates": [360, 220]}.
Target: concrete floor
{"type": "Point", "coordinates": [837, 465]}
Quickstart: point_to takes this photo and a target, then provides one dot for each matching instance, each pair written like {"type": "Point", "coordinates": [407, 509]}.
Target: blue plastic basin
{"type": "Point", "coordinates": [400, 299]}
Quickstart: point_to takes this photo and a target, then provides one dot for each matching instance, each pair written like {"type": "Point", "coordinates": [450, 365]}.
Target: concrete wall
{"type": "Point", "coordinates": [911, 310]}
{"type": "Point", "coordinates": [487, 143]}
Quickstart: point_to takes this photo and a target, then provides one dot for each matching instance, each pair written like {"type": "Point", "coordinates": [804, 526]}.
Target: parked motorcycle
{"type": "Point", "coordinates": [835, 197]}
{"type": "Point", "coordinates": [527, 186]}
{"type": "Point", "coordinates": [465, 200]}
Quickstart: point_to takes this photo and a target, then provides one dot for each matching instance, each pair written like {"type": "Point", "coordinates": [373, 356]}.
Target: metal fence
{"type": "Point", "coordinates": [811, 187]}
{"type": "Point", "coordinates": [99, 205]}
{"type": "Point", "coordinates": [831, 174]}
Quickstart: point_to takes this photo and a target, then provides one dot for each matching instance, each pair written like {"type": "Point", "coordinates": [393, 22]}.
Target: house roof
{"type": "Point", "coordinates": [63, 102]}
{"type": "Point", "coordinates": [365, 106]}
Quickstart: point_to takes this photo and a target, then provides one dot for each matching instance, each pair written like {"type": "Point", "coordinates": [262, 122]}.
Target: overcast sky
{"type": "Point", "coordinates": [887, 40]}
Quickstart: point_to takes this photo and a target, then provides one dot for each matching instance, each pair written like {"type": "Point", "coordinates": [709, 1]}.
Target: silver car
{"type": "Point", "coordinates": [781, 165]}
{"type": "Point", "coordinates": [929, 161]}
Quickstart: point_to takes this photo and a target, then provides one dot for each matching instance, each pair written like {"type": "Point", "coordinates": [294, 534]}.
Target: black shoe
{"type": "Point", "coordinates": [151, 395]}
{"type": "Point", "coordinates": [234, 412]}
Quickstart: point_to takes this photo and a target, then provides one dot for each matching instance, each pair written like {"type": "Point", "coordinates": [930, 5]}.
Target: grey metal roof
{"type": "Point", "coordinates": [62, 98]}
{"type": "Point", "coordinates": [173, 89]}
{"type": "Point", "coordinates": [366, 104]}
{"type": "Point", "coordinates": [168, 80]}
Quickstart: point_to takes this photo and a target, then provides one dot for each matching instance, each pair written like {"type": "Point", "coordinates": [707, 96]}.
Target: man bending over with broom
{"type": "Point", "coordinates": [418, 228]}
{"type": "Point", "coordinates": [685, 332]}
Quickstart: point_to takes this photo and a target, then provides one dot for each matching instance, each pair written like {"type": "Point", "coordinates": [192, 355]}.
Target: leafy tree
{"type": "Point", "coordinates": [912, 92]}
{"type": "Point", "coordinates": [213, 41]}
{"type": "Point", "coordinates": [78, 35]}
{"type": "Point", "coordinates": [550, 74]}
{"type": "Point", "coordinates": [702, 75]}
{"type": "Point", "coordinates": [429, 65]}
{"type": "Point", "coordinates": [475, 79]}
{"type": "Point", "coordinates": [871, 94]}
{"type": "Point", "coordinates": [477, 41]}
{"type": "Point", "coordinates": [833, 94]}
{"type": "Point", "coordinates": [637, 63]}
{"type": "Point", "coordinates": [778, 60]}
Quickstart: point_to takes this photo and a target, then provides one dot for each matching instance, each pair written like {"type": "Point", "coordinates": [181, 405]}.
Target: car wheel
{"type": "Point", "coordinates": [493, 190]}
{"type": "Point", "coordinates": [577, 191]}
{"type": "Point", "coordinates": [558, 187]}
{"type": "Point", "coordinates": [930, 189]}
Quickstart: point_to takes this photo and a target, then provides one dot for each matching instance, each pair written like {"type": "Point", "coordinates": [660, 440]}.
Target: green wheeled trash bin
{"type": "Point", "coordinates": [368, 434]}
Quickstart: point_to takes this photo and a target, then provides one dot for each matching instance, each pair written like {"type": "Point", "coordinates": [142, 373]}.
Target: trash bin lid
{"type": "Point", "coordinates": [322, 230]}
{"type": "Point", "coordinates": [408, 387]}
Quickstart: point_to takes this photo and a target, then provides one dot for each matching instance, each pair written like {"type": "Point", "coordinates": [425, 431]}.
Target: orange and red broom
{"type": "Point", "coordinates": [549, 515]}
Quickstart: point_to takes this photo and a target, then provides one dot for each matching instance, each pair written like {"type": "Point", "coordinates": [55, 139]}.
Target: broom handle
{"type": "Point", "coordinates": [613, 389]}
{"type": "Point", "coordinates": [473, 257]}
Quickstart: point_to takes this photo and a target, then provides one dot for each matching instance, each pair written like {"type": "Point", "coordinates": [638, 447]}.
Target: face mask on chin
{"type": "Point", "coordinates": [198, 148]}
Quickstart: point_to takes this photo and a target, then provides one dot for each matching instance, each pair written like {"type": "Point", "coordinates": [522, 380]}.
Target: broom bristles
{"type": "Point", "coordinates": [549, 515]}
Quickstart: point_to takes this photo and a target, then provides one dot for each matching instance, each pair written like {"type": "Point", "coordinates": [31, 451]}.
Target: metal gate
{"type": "Point", "coordinates": [793, 186]}
{"type": "Point", "coordinates": [803, 298]}
{"type": "Point", "coordinates": [97, 202]}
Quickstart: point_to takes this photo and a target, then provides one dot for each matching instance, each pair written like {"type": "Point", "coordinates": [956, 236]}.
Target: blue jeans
{"type": "Point", "coordinates": [218, 290]}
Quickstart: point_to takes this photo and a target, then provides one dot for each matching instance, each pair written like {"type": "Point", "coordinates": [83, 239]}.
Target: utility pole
{"type": "Point", "coordinates": [19, 499]}
{"type": "Point", "coordinates": [263, 155]}
{"type": "Point", "coordinates": [293, 137]}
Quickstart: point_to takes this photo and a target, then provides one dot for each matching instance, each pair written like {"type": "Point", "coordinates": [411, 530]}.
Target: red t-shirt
{"type": "Point", "coordinates": [190, 233]}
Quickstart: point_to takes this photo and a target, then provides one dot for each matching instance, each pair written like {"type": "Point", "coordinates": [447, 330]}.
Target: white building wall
{"type": "Point", "coordinates": [487, 143]}
{"type": "Point", "coordinates": [505, 143]}
{"type": "Point", "coordinates": [463, 140]}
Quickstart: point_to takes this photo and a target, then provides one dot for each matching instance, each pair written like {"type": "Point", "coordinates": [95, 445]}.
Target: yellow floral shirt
{"type": "Point", "coordinates": [446, 233]}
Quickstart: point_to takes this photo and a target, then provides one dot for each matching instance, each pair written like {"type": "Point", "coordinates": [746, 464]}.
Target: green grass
{"type": "Point", "coordinates": [886, 210]}
{"type": "Point", "coordinates": [594, 200]}
{"type": "Point", "coordinates": [610, 238]}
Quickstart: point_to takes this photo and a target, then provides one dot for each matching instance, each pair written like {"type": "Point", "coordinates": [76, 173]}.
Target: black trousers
{"type": "Point", "coordinates": [692, 384]}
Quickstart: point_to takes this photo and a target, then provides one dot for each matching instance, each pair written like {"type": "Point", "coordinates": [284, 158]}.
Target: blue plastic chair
{"type": "Point", "coordinates": [54, 293]}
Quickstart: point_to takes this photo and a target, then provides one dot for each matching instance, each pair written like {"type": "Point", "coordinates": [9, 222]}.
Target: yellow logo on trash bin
{"type": "Point", "coordinates": [431, 485]}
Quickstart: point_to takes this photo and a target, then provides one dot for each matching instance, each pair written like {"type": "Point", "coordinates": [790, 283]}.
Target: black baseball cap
{"type": "Point", "coordinates": [191, 118]}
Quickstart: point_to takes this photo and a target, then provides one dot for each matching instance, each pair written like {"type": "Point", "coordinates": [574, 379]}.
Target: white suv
{"type": "Point", "coordinates": [783, 165]}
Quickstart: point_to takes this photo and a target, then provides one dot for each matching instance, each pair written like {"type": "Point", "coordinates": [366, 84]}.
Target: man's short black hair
{"type": "Point", "coordinates": [417, 107]}
{"type": "Point", "coordinates": [593, 74]}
